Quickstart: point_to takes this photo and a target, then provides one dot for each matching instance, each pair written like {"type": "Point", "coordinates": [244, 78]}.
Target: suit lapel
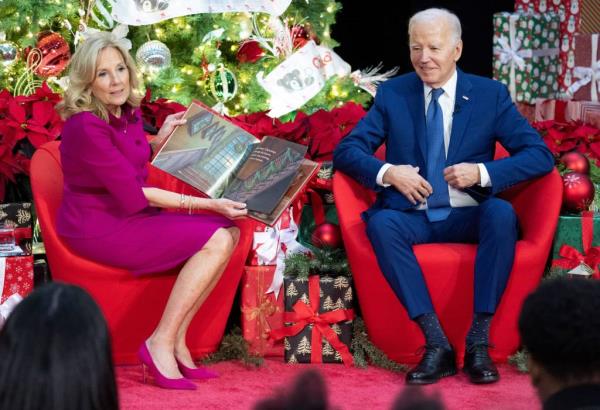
{"type": "Point", "coordinates": [462, 113]}
{"type": "Point", "coordinates": [416, 104]}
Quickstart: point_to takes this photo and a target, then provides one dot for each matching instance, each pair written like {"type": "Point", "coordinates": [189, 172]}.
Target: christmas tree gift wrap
{"type": "Point", "coordinates": [576, 245]}
{"type": "Point", "coordinates": [318, 316]}
{"type": "Point", "coordinates": [586, 81]}
{"type": "Point", "coordinates": [15, 229]}
{"type": "Point", "coordinates": [261, 311]}
{"type": "Point", "coordinates": [526, 54]}
{"type": "Point", "coordinates": [569, 12]}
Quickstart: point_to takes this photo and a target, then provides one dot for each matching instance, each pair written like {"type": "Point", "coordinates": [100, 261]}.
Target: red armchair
{"type": "Point", "coordinates": [132, 306]}
{"type": "Point", "coordinates": [448, 271]}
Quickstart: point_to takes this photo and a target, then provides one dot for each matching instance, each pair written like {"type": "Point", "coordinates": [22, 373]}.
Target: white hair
{"type": "Point", "coordinates": [435, 14]}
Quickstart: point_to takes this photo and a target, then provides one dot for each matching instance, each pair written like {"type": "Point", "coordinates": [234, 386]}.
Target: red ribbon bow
{"type": "Point", "coordinates": [571, 257]}
{"type": "Point", "coordinates": [305, 314]}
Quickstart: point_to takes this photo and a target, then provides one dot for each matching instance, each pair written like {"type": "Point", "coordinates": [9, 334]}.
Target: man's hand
{"type": "Point", "coordinates": [406, 179]}
{"type": "Point", "coordinates": [462, 175]}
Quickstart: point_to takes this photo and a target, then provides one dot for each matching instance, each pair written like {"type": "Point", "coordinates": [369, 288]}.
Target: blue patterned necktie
{"type": "Point", "coordinates": [438, 203]}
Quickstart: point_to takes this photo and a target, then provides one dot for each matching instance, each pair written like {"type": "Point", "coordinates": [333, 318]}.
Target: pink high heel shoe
{"type": "Point", "coordinates": [199, 373]}
{"type": "Point", "coordinates": [159, 379]}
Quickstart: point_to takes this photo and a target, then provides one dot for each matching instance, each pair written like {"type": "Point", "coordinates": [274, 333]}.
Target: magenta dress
{"type": "Point", "coordinates": [104, 215]}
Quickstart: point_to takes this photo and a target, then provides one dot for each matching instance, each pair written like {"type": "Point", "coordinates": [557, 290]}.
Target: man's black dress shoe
{"type": "Point", "coordinates": [437, 362]}
{"type": "Point", "coordinates": [479, 366]}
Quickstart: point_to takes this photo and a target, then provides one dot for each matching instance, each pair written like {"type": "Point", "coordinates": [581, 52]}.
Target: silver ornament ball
{"type": "Point", "coordinates": [8, 53]}
{"type": "Point", "coordinates": [153, 56]}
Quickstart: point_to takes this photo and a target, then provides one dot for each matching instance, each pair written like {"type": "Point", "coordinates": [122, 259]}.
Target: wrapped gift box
{"type": "Point", "coordinates": [15, 229]}
{"type": "Point", "coordinates": [16, 276]}
{"type": "Point", "coordinates": [575, 241]}
{"type": "Point", "coordinates": [261, 312]}
{"type": "Point", "coordinates": [569, 12]}
{"type": "Point", "coordinates": [526, 54]}
{"type": "Point", "coordinates": [586, 74]}
{"type": "Point", "coordinates": [590, 16]}
{"type": "Point", "coordinates": [326, 340]}
{"type": "Point", "coordinates": [587, 112]}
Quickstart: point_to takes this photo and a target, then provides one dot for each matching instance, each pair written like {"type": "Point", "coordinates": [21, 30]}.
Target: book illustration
{"type": "Point", "coordinates": [205, 151]}
{"type": "Point", "coordinates": [221, 159]}
{"type": "Point", "coordinates": [266, 174]}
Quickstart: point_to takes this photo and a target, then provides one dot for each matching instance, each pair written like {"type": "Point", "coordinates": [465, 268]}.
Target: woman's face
{"type": "Point", "coordinates": [111, 81]}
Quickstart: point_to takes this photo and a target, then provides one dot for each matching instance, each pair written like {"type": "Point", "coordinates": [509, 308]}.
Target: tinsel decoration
{"type": "Point", "coordinates": [331, 262]}
{"type": "Point", "coordinates": [223, 84]}
{"type": "Point", "coordinates": [9, 52]}
{"type": "Point", "coordinates": [365, 352]}
{"type": "Point", "coordinates": [519, 360]}
{"type": "Point", "coordinates": [234, 347]}
{"type": "Point", "coordinates": [370, 78]}
{"type": "Point", "coordinates": [153, 56]}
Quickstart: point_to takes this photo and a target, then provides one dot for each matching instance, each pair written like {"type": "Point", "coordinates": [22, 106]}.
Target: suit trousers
{"type": "Point", "coordinates": [492, 224]}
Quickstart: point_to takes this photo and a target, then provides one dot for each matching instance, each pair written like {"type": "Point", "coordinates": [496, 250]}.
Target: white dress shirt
{"type": "Point", "coordinates": [458, 198]}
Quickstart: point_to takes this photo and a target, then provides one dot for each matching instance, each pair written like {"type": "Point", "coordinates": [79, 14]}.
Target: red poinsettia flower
{"type": "Point", "coordinates": [43, 125]}
{"type": "Point", "coordinates": [297, 130]}
{"type": "Point", "coordinates": [258, 124]}
{"type": "Point", "coordinates": [347, 116]}
{"type": "Point", "coordinates": [43, 93]}
{"type": "Point", "coordinates": [586, 135]}
{"type": "Point", "coordinates": [324, 135]}
{"type": "Point", "coordinates": [559, 141]}
{"type": "Point", "coordinates": [155, 112]}
{"type": "Point", "coordinates": [5, 97]}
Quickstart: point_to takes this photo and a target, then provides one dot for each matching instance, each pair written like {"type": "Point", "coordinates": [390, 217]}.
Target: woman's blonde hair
{"type": "Point", "coordinates": [78, 97]}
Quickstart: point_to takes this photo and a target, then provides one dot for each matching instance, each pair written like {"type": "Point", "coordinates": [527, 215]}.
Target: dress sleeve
{"type": "Point", "coordinates": [106, 164]}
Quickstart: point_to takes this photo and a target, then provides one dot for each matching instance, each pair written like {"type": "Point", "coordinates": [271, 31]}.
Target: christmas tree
{"type": "Point", "coordinates": [220, 58]}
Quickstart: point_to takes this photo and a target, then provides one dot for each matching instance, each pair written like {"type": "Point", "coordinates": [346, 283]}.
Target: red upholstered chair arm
{"type": "Point", "coordinates": [537, 204]}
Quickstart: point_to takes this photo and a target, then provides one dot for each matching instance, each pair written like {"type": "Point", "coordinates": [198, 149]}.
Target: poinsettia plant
{"type": "Point", "coordinates": [26, 122]}
{"type": "Point", "coordinates": [572, 136]}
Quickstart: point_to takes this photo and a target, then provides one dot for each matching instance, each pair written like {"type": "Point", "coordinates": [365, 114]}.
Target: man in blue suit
{"type": "Point", "coordinates": [438, 183]}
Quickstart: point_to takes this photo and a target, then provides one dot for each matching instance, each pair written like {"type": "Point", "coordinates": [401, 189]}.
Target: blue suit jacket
{"type": "Point", "coordinates": [484, 114]}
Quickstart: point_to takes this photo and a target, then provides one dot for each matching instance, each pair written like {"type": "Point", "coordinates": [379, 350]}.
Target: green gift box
{"type": "Point", "coordinates": [526, 47]}
{"type": "Point", "coordinates": [578, 233]}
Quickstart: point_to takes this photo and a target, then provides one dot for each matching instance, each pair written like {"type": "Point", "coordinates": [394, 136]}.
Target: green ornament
{"type": "Point", "coordinates": [223, 84]}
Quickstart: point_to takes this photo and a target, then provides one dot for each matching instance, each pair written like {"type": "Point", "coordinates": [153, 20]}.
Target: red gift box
{"type": "Point", "coordinates": [261, 312]}
{"type": "Point", "coordinates": [586, 74]}
{"type": "Point", "coordinates": [16, 276]}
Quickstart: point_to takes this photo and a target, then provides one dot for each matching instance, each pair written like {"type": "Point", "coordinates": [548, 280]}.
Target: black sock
{"type": "Point", "coordinates": [434, 334]}
{"type": "Point", "coordinates": [480, 329]}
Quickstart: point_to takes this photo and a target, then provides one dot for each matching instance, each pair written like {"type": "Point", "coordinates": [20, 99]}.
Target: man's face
{"type": "Point", "coordinates": [433, 52]}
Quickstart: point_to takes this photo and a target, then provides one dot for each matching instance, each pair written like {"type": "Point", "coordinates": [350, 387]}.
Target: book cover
{"type": "Point", "coordinates": [223, 160]}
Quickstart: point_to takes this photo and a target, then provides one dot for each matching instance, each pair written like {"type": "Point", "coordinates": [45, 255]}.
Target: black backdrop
{"type": "Point", "coordinates": [382, 27]}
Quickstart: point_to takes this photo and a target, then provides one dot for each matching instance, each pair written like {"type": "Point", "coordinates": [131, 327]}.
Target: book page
{"type": "Point", "coordinates": [306, 171]}
{"type": "Point", "coordinates": [266, 174]}
{"type": "Point", "coordinates": [206, 151]}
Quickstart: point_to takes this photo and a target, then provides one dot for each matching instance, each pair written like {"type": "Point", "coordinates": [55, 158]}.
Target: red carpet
{"type": "Point", "coordinates": [349, 388]}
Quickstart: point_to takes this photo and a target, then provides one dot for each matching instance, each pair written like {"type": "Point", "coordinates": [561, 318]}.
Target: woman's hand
{"type": "Point", "coordinates": [172, 121]}
{"type": "Point", "coordinates": [227, 207]}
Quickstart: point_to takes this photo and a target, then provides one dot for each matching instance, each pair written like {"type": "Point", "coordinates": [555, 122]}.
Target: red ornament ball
{"type": "Point", "coordinates": [327, 235]}
{"type": "Point", "coordinates": [576, 162]}
{"type": "Point", "coordinates": [300, 36]}
{"type": "Point", "coordinates": [55, 54]}
{"type": "Point", "coordinates": [578, 192]}
{"type": "Point", "coordinates": [250, 52]}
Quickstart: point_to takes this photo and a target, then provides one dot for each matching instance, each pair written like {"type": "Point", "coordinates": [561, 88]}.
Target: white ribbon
{"type": "Point", "coordinates": [589, 74]}
{"type": "Point", "coordinates": [300, 77]}
{"type": "Point", "coordinates": [8, 306]}
{"type": "Point", "coordinates": [139, 13]}
{"type": "Point", "coordinates": [510, 52]}
{"type": "Point", "coordinates": [269, 248]}
{"type": "Point", "coordinates": [119, 34]}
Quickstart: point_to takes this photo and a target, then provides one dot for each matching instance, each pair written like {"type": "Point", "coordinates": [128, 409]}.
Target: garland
{"type": "Point", "coordinates": [519, 360]}
{"type": "Point", "coordinates": [326, 261]}
{"type": "Point", "coordinates": [365, 351]}
{"type": "Point", "coordinates": [234, 347]}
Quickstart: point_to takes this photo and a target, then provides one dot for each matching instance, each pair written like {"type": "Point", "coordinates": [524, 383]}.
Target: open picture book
{"type": "Point", "coordinates": [221, 159]}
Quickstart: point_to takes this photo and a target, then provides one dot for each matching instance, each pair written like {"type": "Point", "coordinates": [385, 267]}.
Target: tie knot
{"type": "Point", "coordinates": [436, 92]}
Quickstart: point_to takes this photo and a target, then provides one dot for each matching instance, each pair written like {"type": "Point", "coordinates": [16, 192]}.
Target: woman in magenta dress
{"type": "Point", "coordinates": [108, 213]}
